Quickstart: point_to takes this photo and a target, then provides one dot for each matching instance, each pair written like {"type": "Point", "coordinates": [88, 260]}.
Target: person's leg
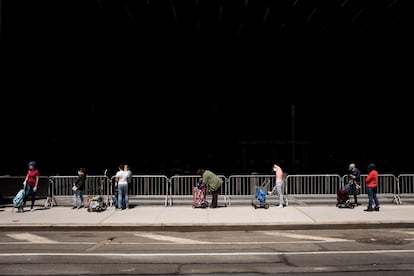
{"type": "Point", "coordinates": [355, 199]}
{"type": "Point", "coordinates": [75, 199]}
{"type": "Point", "coordinates": [370, 198]}
{"type": "Point", "coordinates": [279, 189]}
{"type": "Point", "coordinates": [81, 199]}
{"type": "Point", "coordinates": [126, 197]}
{"type": "Point", "coordinates": [120, 196]}
{"type": "Point", "coordinates": [26, 195]}
{"type": "Point", "coordinates": [33, 198]}
{"type": "Point", "coordinates": [214, 198]}
{"type": "Point", "coordinates": [376, 208]}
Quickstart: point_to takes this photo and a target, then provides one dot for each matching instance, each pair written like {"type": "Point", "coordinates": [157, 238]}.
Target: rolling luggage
{"type": "Point", "coordinates": [199, 196]}
{"type": "Point", "coordinates": [260, 195]}
{"type": "Point", "coordinates": [18, 200]}
{"type": "Point", "coordinates": [96, 204]}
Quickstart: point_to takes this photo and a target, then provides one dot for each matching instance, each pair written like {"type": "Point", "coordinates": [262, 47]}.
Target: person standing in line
{"type": "Point", "coordinates": [279, 187]}
{"type": "Point", "coordinates": [78, 187]}
{"type": "Point", "coordinates": [121, 183]}
{"type": "Point", "coordinates": [31, 181]}
{"type": "Point", "coordinates": [127, 169]}
{"type": "Point", "coordinates": [371, 181]}
{"type": "Point", "coordinates": [354, 180]}
{"type": "Point", "coordinates": [213, 183]}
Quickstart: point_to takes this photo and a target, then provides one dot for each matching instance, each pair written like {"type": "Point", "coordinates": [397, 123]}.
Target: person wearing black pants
{"type": "Point", "coordinates": [354, 179]}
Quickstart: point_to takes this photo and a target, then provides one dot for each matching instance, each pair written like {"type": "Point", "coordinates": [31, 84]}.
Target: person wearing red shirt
{"type": "Point", "coordinates": [371, 183]}
{"type": "Point", "coordinates": [31, 180]}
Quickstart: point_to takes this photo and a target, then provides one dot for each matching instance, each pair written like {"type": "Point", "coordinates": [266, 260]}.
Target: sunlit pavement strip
{"type": "Point", "coordinates": [204, 254]}
{"type": "Point", "coordinates": [171, 239]}
{"type": "Point", "coordinates": [407, 232]}
{"type": "Point", "coordinates": [307, 237]}
{"type": "Point", "coordinates": [31, 238]}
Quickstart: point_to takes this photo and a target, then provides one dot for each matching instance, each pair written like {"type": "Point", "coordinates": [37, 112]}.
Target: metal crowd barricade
{"type": "Point", "coordinates": [10, 185]}
{"type": "Point", "coordinates": [181, 187]}
{"type": "Point", "coordinates": [317, 184]}
{"type": "Point", "coordinates": [387, 186]}
{"type": "Point", "coordinates": [145, 187]}
{"type": "Point", "coordinates": [235, 187]}
{"type": "Point", "coordinates": [243, 187]}
{"type": "Point", "coordinates": [404, 187]}
{"type": "Point", "coordinates": [60, 188]}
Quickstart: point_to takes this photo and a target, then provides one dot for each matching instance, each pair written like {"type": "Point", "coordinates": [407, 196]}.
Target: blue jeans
{"type": "Point", "coordinates": [30, 193]}
{"type": "Point", "coordinates": [372, 196]}
{"type": "Point", "coordinates": [122, 193]}
{"type": "Point", "coordinates": [75, 197]}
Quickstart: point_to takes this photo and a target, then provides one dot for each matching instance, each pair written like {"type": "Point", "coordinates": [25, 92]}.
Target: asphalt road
{"type": "Point", "coordinates": [320, 252]}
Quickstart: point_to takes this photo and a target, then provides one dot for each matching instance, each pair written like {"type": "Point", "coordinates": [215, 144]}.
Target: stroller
{"type": "Point", "coordinates": [343, 199]}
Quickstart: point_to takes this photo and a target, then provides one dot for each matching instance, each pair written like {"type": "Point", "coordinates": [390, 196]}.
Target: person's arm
{"type": "Point", "coordinates": [37, 182]}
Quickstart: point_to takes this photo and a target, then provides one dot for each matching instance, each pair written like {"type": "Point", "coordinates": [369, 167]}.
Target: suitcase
{"type": "Point", "coordinates": [199, 197]}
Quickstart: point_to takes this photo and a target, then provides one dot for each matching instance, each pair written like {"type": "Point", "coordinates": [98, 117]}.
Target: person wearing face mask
{"type": "Point", "coordinates": [78, 187]}
{"type": "Point", "coordinates": [31, 180]}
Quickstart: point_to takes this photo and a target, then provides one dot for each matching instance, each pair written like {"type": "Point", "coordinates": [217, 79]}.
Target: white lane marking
{"type": "Point", "coordinates": [30, 238]}
{"type": "Point", "coordinates": [306, 237]}
{"type": "Point", "coordinates": [203, 254]}
{"type": "Point", "coordinates": [171, 239]}
{"type": "Point", "coordinates": [183, 242]}
{"type": "Point", "coordinates": [405, 232]}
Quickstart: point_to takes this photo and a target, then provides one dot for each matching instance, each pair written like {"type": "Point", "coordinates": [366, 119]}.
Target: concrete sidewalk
{"type": "Point", "coordinates": [186, 218]}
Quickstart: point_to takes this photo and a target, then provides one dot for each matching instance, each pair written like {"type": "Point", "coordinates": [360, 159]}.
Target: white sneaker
{"type": "Point", "coordinates": [269, 193]}
{"type": "Point", "coordinates": [280, 206]}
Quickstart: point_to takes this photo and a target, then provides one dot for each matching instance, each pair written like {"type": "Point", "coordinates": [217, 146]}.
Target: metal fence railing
{"type": "Point", "coordinates": [400, 188]}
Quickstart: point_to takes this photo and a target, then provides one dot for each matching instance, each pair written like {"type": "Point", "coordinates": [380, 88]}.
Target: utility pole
{"type": "Point", "coordinates": [293, 140]}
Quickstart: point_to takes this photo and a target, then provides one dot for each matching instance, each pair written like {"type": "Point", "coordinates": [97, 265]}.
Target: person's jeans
{"type": "Point", "coordinates": [372, 197]}
{"type": "Point", "coordinates": [278, 190]}
{"type": "Point", "coordinates": [30, 193]}
{"type": "Point", "coordinates": [77, 193]}
{"type": "Point", "coordinates": [122, 193]}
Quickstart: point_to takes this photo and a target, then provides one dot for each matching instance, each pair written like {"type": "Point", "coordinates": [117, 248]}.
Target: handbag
{"type": "Point", "coordinates": [74, 188]}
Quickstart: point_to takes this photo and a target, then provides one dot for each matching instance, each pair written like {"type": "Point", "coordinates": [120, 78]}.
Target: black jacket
{"type": "Point", "coordinates": [80, 181]}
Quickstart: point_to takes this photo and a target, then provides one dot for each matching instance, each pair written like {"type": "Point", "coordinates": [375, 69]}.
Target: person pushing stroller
{"type": "Point", "coordinates": [354, 179]}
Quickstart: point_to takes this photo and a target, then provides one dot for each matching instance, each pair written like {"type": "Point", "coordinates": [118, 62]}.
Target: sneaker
{"type": "Point", "coordinates": [74, 207]}
{"type": "Point", "coordinates": [280, 206]}
{"type": "Point", "coordinates": [376, 208]}
{"type": "Point", "coordinates": [369, 210]}
{"type": "Point", "coordinates": [269, 193]}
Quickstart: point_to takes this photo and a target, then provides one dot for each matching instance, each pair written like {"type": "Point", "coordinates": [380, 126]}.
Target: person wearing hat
{"type": "Point", "coordinates": [31, 180]}
{"type": "Point", "coordinates": [371, 182]}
